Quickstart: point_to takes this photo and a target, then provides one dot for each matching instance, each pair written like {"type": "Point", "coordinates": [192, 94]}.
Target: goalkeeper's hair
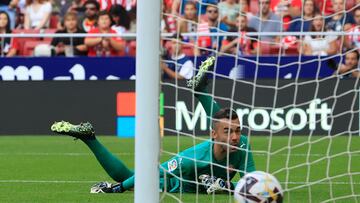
{"type": "Point", "coordinates": [226, 113]}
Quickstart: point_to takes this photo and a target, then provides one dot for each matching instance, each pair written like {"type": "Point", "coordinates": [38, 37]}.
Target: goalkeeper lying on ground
{"type": "Point", "coordinates": [208, 159]}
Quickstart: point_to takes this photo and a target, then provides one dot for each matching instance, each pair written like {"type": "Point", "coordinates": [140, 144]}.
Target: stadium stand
{"type": "Point", "coordinates": [173, 23]}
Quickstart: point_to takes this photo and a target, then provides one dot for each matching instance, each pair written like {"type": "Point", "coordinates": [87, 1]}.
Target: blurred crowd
{"type": "Point", "coordinates": [67, 16]}
{"type": "Point", "coordinates": [217, 17]}
{"type": "Point", "coordinates": [272, 16]}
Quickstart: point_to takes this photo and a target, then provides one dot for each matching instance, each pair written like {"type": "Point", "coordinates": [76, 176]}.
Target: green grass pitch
{"type": "Point", "coordinates": [58, 169]}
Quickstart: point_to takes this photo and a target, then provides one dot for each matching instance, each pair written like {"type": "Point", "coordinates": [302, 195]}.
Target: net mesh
{"type": "Point", "coordinates": [296, 92]}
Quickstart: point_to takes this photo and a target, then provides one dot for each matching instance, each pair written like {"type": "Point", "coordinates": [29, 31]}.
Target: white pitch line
{"type": "Point", "coordinates": [304, 155]}
{"type": "Point", "coordinates": [57, 154]}
{"type": "Point", "coordinates": [49, 181]}
{"type": "Point", "coordinates": [95, 181]}
{"type": "Point", "coordinates": [321, 183]}
{"type": "Point", "coordinates": [131, 154]}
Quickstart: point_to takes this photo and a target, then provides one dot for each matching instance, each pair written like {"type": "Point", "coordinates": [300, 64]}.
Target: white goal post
{"type": "Point", "coordinates": [147, 139]}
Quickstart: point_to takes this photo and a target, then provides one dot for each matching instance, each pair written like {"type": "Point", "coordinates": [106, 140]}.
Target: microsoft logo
{"type": "Point", "coordinates": [125, 111]}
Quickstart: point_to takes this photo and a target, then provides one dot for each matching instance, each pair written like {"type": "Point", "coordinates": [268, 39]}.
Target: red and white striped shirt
{"type": "Point", "coordinates": [106, 4]}
{"type": "Point", "coordinates": [355, 39]}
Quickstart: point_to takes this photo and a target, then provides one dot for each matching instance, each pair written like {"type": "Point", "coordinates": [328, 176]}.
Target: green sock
{"type": "Point", "coordinates": [209, 104]}
{"type": "Point", "coordinates": [129, 183]}
{"type": "Point", "coordinates": [112, 165]}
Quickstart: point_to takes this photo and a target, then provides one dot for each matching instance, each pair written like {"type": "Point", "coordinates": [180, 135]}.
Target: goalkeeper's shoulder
{"type": "Point", "coordinates": [187, 158]}
{"type": "Point", "coordinates": [244, 141]}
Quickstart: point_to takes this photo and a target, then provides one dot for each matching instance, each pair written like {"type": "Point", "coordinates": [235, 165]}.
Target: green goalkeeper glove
{"type": "Point", "coordinates": [212, 184]}
{"type": "Point", "coordinates": [106, 187]}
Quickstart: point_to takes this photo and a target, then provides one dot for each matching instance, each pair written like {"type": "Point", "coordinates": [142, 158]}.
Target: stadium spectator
{"type": "Point", "coordinates": [245, 8]}
{"type": "Point", "coordinates": [190, 21]}
{"type": "Point", "coordinates": [325, 6]}
{"type": "Point", "coordinates": [211, 24]}
{"type": "Point", "coordinates": [91, 11]}
{"type": "Point", "coordinates": [167, 6]}
{"type": "Point", "coordinates": [73, 6]}
{"type": "Point", "coordinates": [178, 6]}
{"type": "Point", "coordinates": [132, 16]}
{"type": "Point", "coordinates": [4, 28]}
{"type": "Point", "coordinates": [9, 6]}
{"type": "Point", "coordinates": [351, 67]}
{"type": "Point", "coordinates": [13, 48]}
{"type": "Point", "coordinates": [341, 20]}
{"type": "Point", "coordinates": [302, 23]}
{"type": "Point", "coordinates": [353, 40]}
{"type": "Point", "coordinates": [120, 18]}
{"type": "Point", "coordinates": [20, 18]}
{"type": "Point", "coordinates": [56, 6]}
{"type": "Point", "coordinates": [229, 9]}
{"type": "Point", "coordinates": [104, 46]}
{"type": "Point", "coordinates": [21, 6]}
{"type": "Point", "coordinates": [266, 21]}
{"type": "Point", "coordinates": [168, 21]}
{"type": "Point", "coordinates": [177, 65]}
{"type": "Point", "coordinates": [65, 46]}
{"type": "Point", "coordinates": [37, 14]}
{"type": "Point", "coordinates": [107, 4]}
{"type": "Point", "coordinates": [286, 8]}
{"type": "Point", "coordinates": [20, 14]}
{"type": "Point", "coordinates": [128, 5]}
{"type": "Point", "coordinates": [320, 44]}
{"type": "Point", "coordinates": [242, 45]}
{"type": "Point", "coordinates": [212, 19]}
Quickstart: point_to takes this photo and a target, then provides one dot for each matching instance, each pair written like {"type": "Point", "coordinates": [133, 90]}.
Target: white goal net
{"type": "Point", "coordinates": [290, 71]}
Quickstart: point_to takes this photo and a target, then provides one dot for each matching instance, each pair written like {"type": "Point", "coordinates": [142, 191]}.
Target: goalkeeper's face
{"type": "Point", "coordinates": [228, 132]}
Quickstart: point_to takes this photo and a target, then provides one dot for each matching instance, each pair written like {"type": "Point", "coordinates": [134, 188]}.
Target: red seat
{"type": "Point", "coordinates": [131, 48]}
{"type": "Point", "coordinates": [274, 50]}
{"type": "Point", "coordinates": [54, 20]}
{"type": "Point", "coordinates": [267, 48]}
{"type": "Point", "coordinates": [29, 47]}
{"type": "Point", "coordinates": [18, 42]}
{"type": "Point", "coordinates": [293, 50]}
{"type": "Point", "coordinates": [25, 31]}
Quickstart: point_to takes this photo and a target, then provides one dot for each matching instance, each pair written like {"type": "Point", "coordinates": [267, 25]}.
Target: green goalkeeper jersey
{"type": "Point", "coordinates": [181, 172]}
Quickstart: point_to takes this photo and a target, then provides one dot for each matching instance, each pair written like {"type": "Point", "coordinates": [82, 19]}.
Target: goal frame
{"type": "Point", "coordinates": [147, 133]}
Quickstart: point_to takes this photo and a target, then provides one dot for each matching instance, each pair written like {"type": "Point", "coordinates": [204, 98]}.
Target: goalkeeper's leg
{"type": "Point", "coordinates": [116, 169]}
{"type": "Point", "coordinates": [199, 84]}
{"type": "Point", "coordinates": [208, 102]}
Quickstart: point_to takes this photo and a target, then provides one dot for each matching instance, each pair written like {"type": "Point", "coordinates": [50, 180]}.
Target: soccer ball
{"type": "Point", "coordinates": [258, 186]}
